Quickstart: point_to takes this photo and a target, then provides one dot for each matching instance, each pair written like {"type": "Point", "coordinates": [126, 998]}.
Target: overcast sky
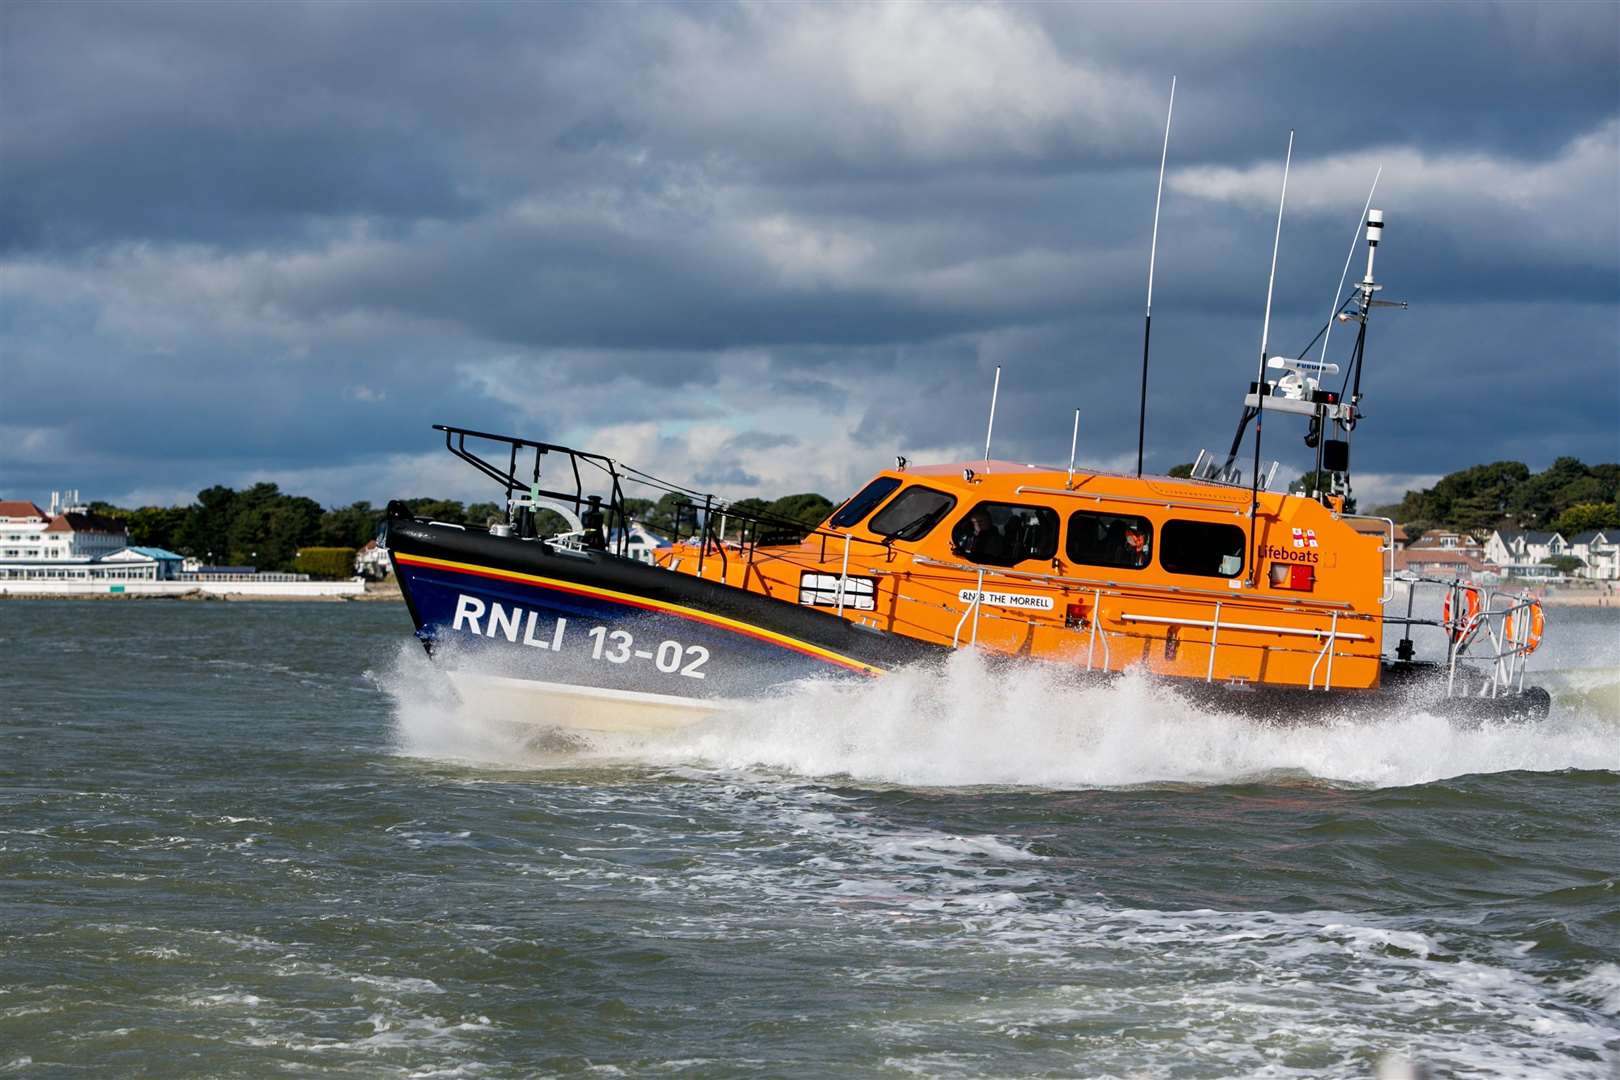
{"type": "Point", "coordinates": [765, 247]}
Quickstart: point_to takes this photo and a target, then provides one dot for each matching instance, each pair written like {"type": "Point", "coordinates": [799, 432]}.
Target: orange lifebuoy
{"type": "Point", "coordinates": [1532, 638]}
{"type": "Point", "coordinates": [1470, 604]}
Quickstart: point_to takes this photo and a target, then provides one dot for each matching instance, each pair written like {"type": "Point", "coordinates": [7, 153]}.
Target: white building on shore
{"type": "Point", "coordinates": [69, 543]}
{"type": "Point", "coordinates": [69, 551]}
{"type": "Point", "coordinates": [1599, 549]}
{"type": "Point", "coordinates": [1522, 553]}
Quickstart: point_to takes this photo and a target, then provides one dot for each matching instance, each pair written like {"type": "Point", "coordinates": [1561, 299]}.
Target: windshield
{"type": "Point", "coordinates": [868, 497]}
{"type": "Point", "coordinates": [912, 513]}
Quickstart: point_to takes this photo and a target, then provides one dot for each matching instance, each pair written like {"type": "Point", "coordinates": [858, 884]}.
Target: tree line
{"type": "Point", "coordinates": [1567, 497]}
{"type": "Point", "coordinates": [265, 527]}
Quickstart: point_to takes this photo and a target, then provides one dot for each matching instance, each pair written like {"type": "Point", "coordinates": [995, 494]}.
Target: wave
{"type": "Point", "coordinates": [967, 723]}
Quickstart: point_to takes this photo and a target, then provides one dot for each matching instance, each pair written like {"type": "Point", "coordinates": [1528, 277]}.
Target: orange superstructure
{"type": "Point", "coordinates": [1096, 570]}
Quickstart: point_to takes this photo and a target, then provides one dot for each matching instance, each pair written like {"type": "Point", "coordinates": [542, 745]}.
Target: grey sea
{"type": "Point", "coordinates": [262, 840]}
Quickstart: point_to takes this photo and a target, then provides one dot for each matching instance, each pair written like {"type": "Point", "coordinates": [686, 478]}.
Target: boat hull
{"type": "Point", "coordinates": [585, 640]}
{"type": "Point", "coordinates": [519, 609]}
{"type": "Point", "coordinates": [582, 708]}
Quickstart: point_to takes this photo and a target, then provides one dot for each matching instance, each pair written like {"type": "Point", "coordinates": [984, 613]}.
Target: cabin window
{"type": "Point", "coordinates": [1122, 541]}
{"type": "Point", "coordinates": [913, 512]}
{"type": "Point", "coordinates": [1203, 548]}
{"type": "Point", "coordinates": [1004, 534]}
{"type": "Point", "coordinates": [864, 501]}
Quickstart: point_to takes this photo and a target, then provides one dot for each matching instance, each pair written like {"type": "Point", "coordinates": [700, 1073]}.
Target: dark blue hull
{"type": "Point", "coordinates": [520, 609]}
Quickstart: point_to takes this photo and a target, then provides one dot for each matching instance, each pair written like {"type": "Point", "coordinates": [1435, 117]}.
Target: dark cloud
{"type": "Point", "coordinates": [246, 240]}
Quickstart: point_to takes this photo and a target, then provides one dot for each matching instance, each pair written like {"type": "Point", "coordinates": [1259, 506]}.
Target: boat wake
{"type": "Point", "coordinates": [967, 723]}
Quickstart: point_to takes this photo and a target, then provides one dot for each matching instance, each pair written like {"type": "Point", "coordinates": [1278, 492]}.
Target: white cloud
{"type": "Point", "coordinates": [944, 81]}
{"type": "Point", "coordinates": [1383, 489]}
{"type": "Point", "coordinates": [1567, 204]}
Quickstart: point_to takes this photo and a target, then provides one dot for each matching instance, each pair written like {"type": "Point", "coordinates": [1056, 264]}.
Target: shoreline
{"type": "Point", "coordinates": [375, 593]}
{"type": "Point", "coordinates": [1586, 598]}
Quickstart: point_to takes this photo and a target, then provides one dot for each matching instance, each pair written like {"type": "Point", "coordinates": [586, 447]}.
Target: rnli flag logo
{"type": "Point", "coordinates": [1304, 538]}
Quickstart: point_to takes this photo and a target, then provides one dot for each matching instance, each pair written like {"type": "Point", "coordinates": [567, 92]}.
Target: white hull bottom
{"type": "Point", "coordinates": [580, 708]}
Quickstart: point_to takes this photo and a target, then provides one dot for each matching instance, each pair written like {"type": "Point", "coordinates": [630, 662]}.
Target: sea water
{"type": "Point", "coordinates": [244, 840]}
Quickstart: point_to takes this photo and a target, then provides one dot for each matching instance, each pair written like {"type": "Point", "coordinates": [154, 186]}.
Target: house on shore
{"type": "Point", "coordinates": [1522, 553]}
{"type": "Point", "coordinates": [1443, 562]}
{"type": "Point", "coordinates": [371, 562]}
{"type": "Point", "coordinates": [69, 543]}
{"type": "Point", "coordinates": [1599, 549]}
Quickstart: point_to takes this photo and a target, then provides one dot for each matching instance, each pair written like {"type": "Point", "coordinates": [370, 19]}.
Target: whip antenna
{"type": "Point", "coordinates": [1260, 376]}
{"type": "Point", "coordinates": [1153, 250]}
{"type": "Point", "coordinates": [1074, 443]}
{"type": "Point", "coordinates": [991, 426]}
{"type": "Point", "coordinates": [1354, 239]}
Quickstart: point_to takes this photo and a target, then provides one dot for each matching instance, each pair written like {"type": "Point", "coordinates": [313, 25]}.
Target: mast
{"type": "Point", "coordinates": [1375, 233]}
{"type": "Point", "coordinates": [1153, 251]}
{"type": "Point", "coordinates": [1349, 255]}
{"type": "Point", "coordinates": [1320, 422]}
{"type": "Point", "coordinates": [1260, 377]}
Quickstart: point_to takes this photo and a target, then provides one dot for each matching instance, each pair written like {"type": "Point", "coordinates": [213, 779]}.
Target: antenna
{"type": "Point", "coordinates": [1375, 233]}
{"type": "Point", "coordinates": [991, 427]}
{"type": "Point", "coordinates": [1354, 237]}
{"type": "Point", "coordinates": [1153, 251]}
{"type": "Point", "coordinates": [1260, 376]}
{"type": "Point", "coordinates": [1074, 442]}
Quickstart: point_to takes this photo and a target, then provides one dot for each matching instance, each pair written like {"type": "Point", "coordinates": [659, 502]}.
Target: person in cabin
{"type": "Point", "coordinates": [981, 541]}
{"type": "Point", "coordinates": [1013, 538]}
{"type": "Point", "coordinates": [1136, 547]}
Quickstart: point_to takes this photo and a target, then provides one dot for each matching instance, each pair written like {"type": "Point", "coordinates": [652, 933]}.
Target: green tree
{"type": "Point", "coordinates": [638, 509]}
{"type": "Point", "coordinates": [449, 511]}
{"type": "Point", "coordinates": [1564, 564]}
{"type": "Point", "coordinates": [206, 531]}
{"type": "Point", "coordinates": [157, 526]}
{"type": "Point", "coordinates": [1584, 516]}
{"type": "Point", "coordinates": [1182, 471]}
{"type": "Point", "coordinates": [808, 509]}
{"type": "Point", "coordinates": [349, 526]}
{"type": "Point", "coordinates": [741, 509]}
{"type": "Point", "coordinates": [325, 563]}
{"type": "Point", "coordinates": [1472, 499]}
{"type": "Point", "coordinates": [268, 527]}
{"type": "Point", "coordinates": [484, 514]}
{"type": "Point", "coordinates": [1542, 497]}
{"type": "Point", "coordinates": [662, 517]}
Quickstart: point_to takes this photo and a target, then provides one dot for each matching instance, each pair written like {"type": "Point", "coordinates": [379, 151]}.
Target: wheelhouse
{"type": "Point", "coordinates": [1104, 570]}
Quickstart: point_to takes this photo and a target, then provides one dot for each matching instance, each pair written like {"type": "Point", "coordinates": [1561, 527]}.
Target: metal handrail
{"type": "Point", "coordinates": [1389, 575]}
{"type": "Point", "coordinates": [1327, 648]}
{"type": "Point", "coordinates": [1297, 631]}
{"type": "Point", "coordinates": [1509, 658]}
{"type": "Point", "coordinates": [971, 609]}
{"type": "Point", "coordinates": [1122, 588]}
{"type": "Point", "coordinates": [1221, 507]}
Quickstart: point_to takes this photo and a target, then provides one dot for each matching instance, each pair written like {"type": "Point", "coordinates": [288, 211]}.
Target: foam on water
{"type": "Point", "coordinates": [968, 723]}
{"type": "Point", "coordinates": [1265, 993]}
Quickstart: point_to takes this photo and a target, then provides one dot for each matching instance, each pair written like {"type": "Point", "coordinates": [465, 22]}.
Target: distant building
{"type": "Point", "coordinates": [67, 542]}
{"type": "Point", "coordinates": [140, 564]}
{"type": "Point", "coordinates": [641, 543]}
{"type": "Point", "coordinates": [1374, 527]}
{"type": "Point", "coordinates": [1443, 562]}
{"type": "Point", "coordinates": [1599, 549]}
{"type": "Point", "coordinates": [1523, 553]}
{"type": "Point", "coordinates": [371, 562]}
{"type": "Point", "coordinates": [1451, 541]}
